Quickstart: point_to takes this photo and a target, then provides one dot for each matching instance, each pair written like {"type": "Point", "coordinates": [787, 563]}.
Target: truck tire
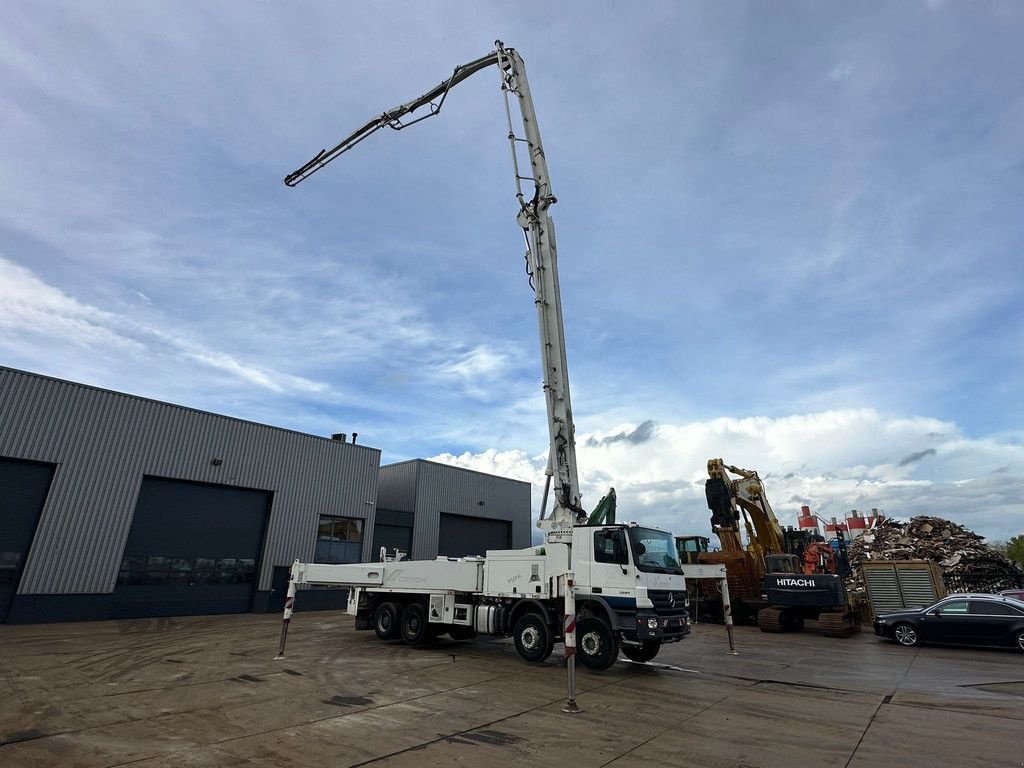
{"type": "Point", "coordinates": [642, 653]}
{"type": "Point", "coordinates": [414, 624]}
{"type": "Point", "coordinates": [386, 618]}
{"type": "Point", "coordinates": [533, 639]}
{"type": "Point", "coordinates": [596, 645]}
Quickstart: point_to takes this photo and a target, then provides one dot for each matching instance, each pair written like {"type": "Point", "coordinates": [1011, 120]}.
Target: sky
{"type": "Point", "coordinates": [790, 236]}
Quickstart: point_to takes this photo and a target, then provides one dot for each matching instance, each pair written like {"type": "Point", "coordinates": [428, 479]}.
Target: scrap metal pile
{"type": "Point", "coordinates": [967, 563]}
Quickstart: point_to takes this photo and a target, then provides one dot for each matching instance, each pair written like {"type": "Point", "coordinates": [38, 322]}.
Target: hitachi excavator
{"type": "Point", "coordinates": [781, 576]}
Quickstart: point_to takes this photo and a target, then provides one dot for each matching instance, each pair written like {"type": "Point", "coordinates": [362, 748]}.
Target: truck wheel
{"type": "Point", "coordinates": [644, 652]}
{"type": "Point", "coordinates": [596, 646]}
{"type": "Point", "coordinates": [386, 619]}
{"type": "Point", "coordinates": [414, 624]}
{"type": "Point", "coordinates": [533, 639]}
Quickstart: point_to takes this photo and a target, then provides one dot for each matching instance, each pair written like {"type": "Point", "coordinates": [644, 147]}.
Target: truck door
{"type": "Point", "coordinates": [609, 567]}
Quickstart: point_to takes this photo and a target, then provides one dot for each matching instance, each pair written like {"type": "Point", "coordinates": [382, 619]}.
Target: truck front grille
{"type": "Point", "coordinates": [668, 601]}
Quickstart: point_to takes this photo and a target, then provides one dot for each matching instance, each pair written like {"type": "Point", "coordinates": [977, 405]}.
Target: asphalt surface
{"type": "Point", "coordinates": [207, 691]}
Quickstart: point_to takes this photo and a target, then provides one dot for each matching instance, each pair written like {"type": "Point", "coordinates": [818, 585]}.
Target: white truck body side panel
{"type": "Point", "coordinates": [355, 574]}
{"type": "Point", "coordinates": [441, 575]}
{"type": "Point", "coordinates": [516, 577]}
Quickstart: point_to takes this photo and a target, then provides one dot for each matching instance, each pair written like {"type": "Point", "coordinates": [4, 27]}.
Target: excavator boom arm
{"type": "Point", "coordinates": [747, 500]}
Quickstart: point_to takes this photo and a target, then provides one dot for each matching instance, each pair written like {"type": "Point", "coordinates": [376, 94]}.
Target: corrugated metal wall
{"type": "Point", "coordinates": [442, 488]}
{"type": "Point", "coordinates": [397, 487]}
{"type": "Point", "coordinates": [105, 442]}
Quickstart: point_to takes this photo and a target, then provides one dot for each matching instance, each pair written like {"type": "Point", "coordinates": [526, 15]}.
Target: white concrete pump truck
{"type": "Point", "coordinates": [628, 588]}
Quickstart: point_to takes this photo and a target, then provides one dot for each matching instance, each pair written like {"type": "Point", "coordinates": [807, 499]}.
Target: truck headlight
{"type": "Point", "coordinates": [652, 623]}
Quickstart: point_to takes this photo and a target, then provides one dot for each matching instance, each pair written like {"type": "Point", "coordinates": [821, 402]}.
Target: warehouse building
{"type": "Point", "coordinates": [427, 509]}
{"type": "Point", "coordinates": [116, 506]}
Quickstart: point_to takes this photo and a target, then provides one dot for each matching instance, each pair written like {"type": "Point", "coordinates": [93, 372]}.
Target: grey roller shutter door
{"type": "Point", "coordinates": [23, 489]}
{"type": "Point", "coordinates": [462, 535]}
{"type": "Point", "coordinates": [193, 548]}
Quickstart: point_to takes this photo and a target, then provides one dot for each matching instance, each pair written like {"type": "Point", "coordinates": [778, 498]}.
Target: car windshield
{"type": "Point", "coordinates": [654, 551]}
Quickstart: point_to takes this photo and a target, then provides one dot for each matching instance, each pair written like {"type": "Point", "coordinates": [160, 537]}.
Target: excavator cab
{"type": "Point", "coordinates": [690, 548]}
{"type": "Point", "coordinates": [782, 564]}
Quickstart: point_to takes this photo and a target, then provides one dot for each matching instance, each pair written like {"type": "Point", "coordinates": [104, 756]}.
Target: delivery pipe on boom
{"type": "Point", "coordinates": [541, 257]}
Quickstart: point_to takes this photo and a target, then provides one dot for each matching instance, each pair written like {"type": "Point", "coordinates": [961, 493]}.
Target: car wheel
{"type": "Point", "coordinates": [385, 621]}
{"type": "Point", "coordinates": [1020, 640]}
{"type": "Point", "coordinates": [596, 646]}
{"type": "Point", "coordinates": [533, 639]}
{"type": "Point", "coordinates": [906, 634]}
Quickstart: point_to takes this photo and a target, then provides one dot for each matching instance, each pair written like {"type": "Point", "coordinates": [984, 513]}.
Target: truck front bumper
{"type": "Point", "coordinates": [667, 629]}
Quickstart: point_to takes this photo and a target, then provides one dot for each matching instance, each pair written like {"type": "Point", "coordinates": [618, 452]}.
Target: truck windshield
{"type": "Point", "coordinates": [654, 551]}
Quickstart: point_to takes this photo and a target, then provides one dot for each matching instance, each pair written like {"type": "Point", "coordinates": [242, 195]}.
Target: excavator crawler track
{"type": "Point", "coordinates": [837, 623]}
{"type": "Point", "coordinates": [770, 620]}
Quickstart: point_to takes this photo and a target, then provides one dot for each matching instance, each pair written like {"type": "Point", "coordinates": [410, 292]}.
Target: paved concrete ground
{"type": "Point", "coordinates": [206, 692]}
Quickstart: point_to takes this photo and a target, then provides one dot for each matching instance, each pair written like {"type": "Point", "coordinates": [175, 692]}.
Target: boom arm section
{"type": "Point", "coordinates": [392, 118]}
{"type": "Point", "coordinates": [541, 258]}
{"type": "Point", "coordinates": [730, 498]}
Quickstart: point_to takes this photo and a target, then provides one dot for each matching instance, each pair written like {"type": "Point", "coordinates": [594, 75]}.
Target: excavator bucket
{"type": "Point", "coordinates": [604, 512]}
{"type": "Point", "coordinates": [716, 490]}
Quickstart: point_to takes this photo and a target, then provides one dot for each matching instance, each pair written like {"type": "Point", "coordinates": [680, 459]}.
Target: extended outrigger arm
{"type": "Point", "coordinates": [541, 257]}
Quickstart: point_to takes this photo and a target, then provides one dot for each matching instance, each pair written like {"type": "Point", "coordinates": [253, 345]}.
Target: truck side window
{"type": "Point", "coordinates": [610, 546]}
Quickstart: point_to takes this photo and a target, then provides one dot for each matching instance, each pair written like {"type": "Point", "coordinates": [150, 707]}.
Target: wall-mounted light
{"type": "Point", "coordinates": [216, 462]}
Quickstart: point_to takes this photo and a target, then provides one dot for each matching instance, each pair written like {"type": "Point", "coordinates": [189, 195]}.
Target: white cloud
{"type": "Point", "coordinates": [841, 71]}
{"type": "Point", "coordinates": [476, 369]}
{"type": "Point", "coordinates": [833, 461]}
{"type": "Point", "coordinates": [35, 313]}
{"type": "Point", "coordinates": [29, 308]}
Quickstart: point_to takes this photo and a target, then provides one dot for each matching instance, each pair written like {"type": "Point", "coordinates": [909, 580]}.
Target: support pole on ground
{"type": "Point", "coordinates": [706, 572]}
{"type": "Point", "coordinates": [289, 605]}
{"type": "Point", "coordinates": [569, 628]}
{"type": "Point", "coordinates": [723, 584]}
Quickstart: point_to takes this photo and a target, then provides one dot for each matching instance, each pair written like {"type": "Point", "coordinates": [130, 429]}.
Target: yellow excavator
{"type": "Point", "coordinates": [768, 578]}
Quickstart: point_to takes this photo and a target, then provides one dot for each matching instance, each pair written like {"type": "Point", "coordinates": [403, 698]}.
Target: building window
{"type": "Point", "coordinates": [339, 540]}
{"type": "Point", "coordinates": [139, 570]}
